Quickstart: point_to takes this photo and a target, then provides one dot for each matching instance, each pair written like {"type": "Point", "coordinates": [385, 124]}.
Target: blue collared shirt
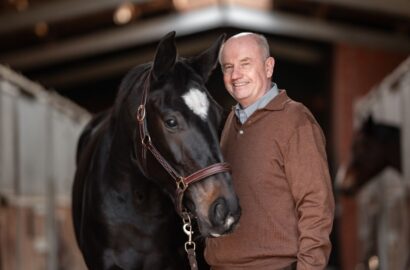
{"type": "Point", "coordinates": [244, 113]}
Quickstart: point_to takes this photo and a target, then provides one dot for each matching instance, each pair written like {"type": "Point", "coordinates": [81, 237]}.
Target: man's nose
{"type": "Point", "coordinates": [236, 73]}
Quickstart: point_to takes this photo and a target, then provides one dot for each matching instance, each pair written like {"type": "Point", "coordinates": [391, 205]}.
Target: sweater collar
{"type": "Point", "coordinates": [244, 113]}
{"type": "Point", "coordinates": [276, 104]}
{"type": "Point", "coordinates": [279, 102]}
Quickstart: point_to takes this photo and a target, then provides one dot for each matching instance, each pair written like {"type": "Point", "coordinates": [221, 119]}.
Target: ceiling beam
{"type": "Point", "coordinates": [119, 65]}
{"type": "Point", "coordinates": [392, 7]}
{"type": "Point", "coordinates": [200, 21]}
{"type": "Point", "coordinates": [54, 11]}
{"type": "Point", "coordinates": [115, 66]}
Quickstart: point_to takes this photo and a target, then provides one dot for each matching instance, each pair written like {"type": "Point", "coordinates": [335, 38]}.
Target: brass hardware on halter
{"type": "Point", "coordinates": [146, 140]}
{"type": "Point", "coordinates": [181, 185]}
{"type": "Point", "coordinates": [186, 218]}
{"type": "Point", "coordinates": [141, 113]}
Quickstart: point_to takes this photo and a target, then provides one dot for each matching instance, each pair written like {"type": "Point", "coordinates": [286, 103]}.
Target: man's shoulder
{"type": "Point", "coordinates": [298, 114]}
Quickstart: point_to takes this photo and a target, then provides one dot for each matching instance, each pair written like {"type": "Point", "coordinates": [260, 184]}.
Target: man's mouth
{"type": "Point", "coordinates": [239, 84]}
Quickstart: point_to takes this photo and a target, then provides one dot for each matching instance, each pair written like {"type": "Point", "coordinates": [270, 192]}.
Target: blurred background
{"type": "Point", "coordinates": [62, 61]}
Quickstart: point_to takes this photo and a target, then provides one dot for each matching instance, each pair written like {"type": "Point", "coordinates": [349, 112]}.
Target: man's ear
{"type": "Point", "coordinates": [269, 66]}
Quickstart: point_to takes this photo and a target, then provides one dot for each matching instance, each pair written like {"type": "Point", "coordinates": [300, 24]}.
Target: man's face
{"type": "Point", "coordinates": [247, 74]}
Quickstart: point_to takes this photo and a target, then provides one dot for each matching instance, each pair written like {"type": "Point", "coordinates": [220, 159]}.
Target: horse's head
{"type": "Point", "coordinates": [375, 146]}
{"type": "Point", "coordinates": [183, 122]}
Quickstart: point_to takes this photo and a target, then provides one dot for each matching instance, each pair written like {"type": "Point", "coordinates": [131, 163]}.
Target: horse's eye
{"type": "Point", "coordinates": [171, 123]}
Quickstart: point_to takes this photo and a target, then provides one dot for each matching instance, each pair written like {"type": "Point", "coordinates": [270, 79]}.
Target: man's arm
{"type": "Point", "coordinates": [308, 174]}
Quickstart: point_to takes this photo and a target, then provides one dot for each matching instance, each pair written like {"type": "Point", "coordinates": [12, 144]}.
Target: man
{"type": "Point", "coordinates": [277, 153]}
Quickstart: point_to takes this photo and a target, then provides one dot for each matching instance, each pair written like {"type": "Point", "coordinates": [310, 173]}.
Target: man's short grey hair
{"type": "Point", "coordinates": [260, 40]}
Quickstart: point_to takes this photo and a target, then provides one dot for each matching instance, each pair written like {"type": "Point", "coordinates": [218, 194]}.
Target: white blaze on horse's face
{"type": "Point", "coordinates": [197, 101]}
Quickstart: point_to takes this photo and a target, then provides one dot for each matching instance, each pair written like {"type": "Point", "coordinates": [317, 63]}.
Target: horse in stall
{"type": "Point", "coordinates": [376, 147]}
{"type": "Point", "coordinates": [150, 160]}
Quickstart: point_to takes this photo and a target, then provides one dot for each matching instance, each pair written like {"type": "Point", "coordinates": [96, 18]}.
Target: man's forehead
{"type": "Point", "coordinates": [241, 60]}
{"type": "Point", "coordinates": [242, 54]}
{"type": "Point", "coordinates": [240, 44]}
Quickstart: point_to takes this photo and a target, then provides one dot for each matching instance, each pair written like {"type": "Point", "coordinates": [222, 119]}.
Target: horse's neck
{"type": "Point", "coordinates": [121, 134]}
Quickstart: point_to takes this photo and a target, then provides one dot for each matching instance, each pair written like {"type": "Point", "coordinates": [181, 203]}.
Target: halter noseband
{"type": "Point", "coordinates": [182, 182]}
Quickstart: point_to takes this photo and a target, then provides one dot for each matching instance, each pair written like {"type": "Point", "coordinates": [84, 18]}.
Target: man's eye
{"type": "Point", "coordinates": [227, 68]}
{"type": "Point", "coordinates": [171, 123]}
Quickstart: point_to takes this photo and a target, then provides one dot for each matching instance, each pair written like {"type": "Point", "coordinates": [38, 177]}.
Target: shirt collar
{"type": "Point", "coordinates": [244, 113]}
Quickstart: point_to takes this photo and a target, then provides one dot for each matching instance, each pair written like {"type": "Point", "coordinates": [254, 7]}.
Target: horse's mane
{"type": "Point", "coordinates": [130, 80]}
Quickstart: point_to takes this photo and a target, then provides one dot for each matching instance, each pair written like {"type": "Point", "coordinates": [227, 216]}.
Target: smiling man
{"type": "Point", "coordinates": [279, 166]}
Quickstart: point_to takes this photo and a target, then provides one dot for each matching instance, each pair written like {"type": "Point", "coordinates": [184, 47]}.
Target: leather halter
{"type": "Point", "coordinates": [182, 182]}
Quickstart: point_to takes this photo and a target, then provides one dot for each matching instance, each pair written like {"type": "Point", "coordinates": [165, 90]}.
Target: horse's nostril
{"type": "Point", "coordinates": [219, 211]}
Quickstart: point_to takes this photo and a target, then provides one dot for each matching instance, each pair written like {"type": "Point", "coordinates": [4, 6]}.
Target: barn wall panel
{"type": "Point", "coordinates": [33, 138]}
{"type": "Point", "coordinates": [8, 140]}
{"type": "Point", "coordinates": [38, 137]}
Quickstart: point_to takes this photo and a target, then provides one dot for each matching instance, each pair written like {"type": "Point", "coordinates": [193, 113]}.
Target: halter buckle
{"type": "Point", "coordinates": [141, 113]}
{"type": "Point", "coordinates": [146, 140]}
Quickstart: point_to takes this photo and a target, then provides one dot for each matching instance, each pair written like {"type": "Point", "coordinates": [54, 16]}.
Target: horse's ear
{"type": "Point", "coordinates": [368, 125]}
{"type": "Point", "coordinates": [205, 62]}
{"type": "Point", "coordinates": [165, 56]}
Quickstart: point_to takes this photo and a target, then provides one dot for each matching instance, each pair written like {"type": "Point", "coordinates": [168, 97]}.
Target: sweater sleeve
{"type": "Point", "coordinates": [307, 171]}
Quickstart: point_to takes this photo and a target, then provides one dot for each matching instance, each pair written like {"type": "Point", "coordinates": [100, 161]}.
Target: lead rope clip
{"type": "Point", "coordinates": [189, 245]}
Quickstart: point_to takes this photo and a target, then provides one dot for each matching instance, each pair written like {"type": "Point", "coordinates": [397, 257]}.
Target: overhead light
{"type": "Point", "coordinates": [374, 263]}
{"type": "Point", "coordinates": [41, 29]}
{"type": "Point", "coordinates": [184, 5]}
{"type": "Point", "coordinates": [21, 5]}
{"type": "Point", "coordinates": [124, 13]}
{"type": "Point", "coordinates": [261, 4]}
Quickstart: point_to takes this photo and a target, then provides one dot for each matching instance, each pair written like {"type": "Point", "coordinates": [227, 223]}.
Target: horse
{"type": "Point", "coordinates": [150, 164]}
{"type": "Point", "coordinates": [375, 147]}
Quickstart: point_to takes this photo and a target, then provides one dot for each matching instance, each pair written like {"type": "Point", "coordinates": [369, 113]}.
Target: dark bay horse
{"type": "Point", "coordinates": [154, 155]}
{"type": "Point", "coordinates": [375, 147]}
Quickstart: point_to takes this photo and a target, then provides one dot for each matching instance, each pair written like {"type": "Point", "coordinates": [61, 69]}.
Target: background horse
{"type": "Point", "coordinates": [384, 204]}
{"type": "Point", "coordinates": [124, 195]}
{"type": "Point", "coordinates": [375, 147]}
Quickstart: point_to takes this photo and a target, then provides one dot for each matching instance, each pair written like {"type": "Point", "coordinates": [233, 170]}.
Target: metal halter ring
{"type": "Point", "coordinates": [186, 219]}
{"type": "Point", "coordinates": [190, 246]}
{"type": "Point", "coordinates": [146, 140]}
{"type": "Point", "coordinates": [141, 112]}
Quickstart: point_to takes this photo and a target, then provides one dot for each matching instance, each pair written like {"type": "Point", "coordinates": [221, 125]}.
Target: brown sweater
{"type": "Point", "coordinates": [281, 176]}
